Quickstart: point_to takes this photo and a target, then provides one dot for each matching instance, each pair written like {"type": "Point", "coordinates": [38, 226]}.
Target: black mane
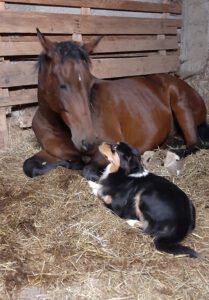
{"type": "Point", "coordinates": [66, 50]}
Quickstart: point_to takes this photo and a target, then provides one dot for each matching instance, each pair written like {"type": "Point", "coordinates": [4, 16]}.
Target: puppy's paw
{"type": "Point", "coordinates": [95, 187]}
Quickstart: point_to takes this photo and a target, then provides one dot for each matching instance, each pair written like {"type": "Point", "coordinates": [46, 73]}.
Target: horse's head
{"type": "Point", "coordinates": [71, 81]}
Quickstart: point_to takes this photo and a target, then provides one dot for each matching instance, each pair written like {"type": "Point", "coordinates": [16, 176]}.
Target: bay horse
{"type": "Point", "coordinates": [77, 111]}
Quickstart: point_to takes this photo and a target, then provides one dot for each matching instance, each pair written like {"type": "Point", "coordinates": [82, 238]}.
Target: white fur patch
{"type": "Point", "coordinates": [95, 187]}
{"type": "Point", "coordinates": [139, 174]}
{"type": "Point", "coordinates": [106, 172]}
{"type": "Point", "coordinates": [79, 77]}
{"type": "Point", "coordinates": [135, 223]}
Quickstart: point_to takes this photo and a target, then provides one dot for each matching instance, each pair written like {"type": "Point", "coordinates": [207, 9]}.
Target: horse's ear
{"type": "Point", "coordinates": [89, 47]}
{"type": "Point", "coordinates": [48, 46]}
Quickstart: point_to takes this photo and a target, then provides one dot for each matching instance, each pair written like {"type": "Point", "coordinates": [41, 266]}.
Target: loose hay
{"type": "Point", "coordinates": [59, 242]}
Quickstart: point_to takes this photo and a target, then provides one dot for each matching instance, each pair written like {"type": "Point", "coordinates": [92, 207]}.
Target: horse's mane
{"type": "Point", "coordinates": [66, 50]}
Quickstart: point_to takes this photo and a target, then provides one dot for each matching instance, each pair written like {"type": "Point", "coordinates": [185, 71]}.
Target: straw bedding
{"type": "Point", "coordinates": [59, 242]}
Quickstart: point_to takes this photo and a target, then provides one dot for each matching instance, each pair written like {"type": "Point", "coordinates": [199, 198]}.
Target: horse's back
{"type": "Point", "coordinates": [181, 92]}
{"type": "Point", "coordinates": [135, 110]}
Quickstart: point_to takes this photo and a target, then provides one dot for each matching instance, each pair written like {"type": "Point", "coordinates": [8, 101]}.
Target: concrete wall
{"type": "Point", "coordinates": [194, 37]}
{"type": "Point", "coordinates": [195, 46]}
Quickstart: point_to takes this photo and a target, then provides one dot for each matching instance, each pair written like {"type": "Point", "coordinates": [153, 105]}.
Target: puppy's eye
{"type": "Point", "coordinates": [63, 86]}
{"type": "Point", "coordinates": [114, 148]}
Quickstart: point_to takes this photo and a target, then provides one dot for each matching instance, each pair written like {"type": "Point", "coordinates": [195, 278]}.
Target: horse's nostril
{"type": "Point", "coordinates": [84, 144]}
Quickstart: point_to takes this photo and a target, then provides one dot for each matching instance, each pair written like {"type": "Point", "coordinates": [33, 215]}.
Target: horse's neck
{"type": "Point", "coordinates": [93, 95]}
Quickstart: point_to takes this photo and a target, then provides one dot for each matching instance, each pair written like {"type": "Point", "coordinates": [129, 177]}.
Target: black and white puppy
{"type": "Point", "coordinates": [145, 200]}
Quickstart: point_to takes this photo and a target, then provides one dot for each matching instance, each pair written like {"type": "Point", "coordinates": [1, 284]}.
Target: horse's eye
{"type": "Point", "coordinates": [63, 86]}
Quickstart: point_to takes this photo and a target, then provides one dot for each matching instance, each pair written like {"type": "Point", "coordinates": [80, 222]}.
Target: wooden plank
{"type": "Point", "coordinates": [117, 67]}
{"type": "Point", "coordinates": [24, 96]}
{"type": "Point", "coordinates": [86, 38]}
{"type": "Point", "coordinates": [85, 11]}
{"type": "Point", "coordinates": [32, 38]}
{"type": "Point", "coordinates": [17, 73]}
{"type": "Point", "coordinates": [107, 45]}
{"type": "Point", "coordinates": [26, 22]}
{"type": "Point", "coordinates": [2, 5]}
{"type": "Point", "coordinates": [3, 111]}
{"type": "Point", "coordinates": [25, 73]}
{"type": "Point", "coordinates": [108, 4]}
{"type": "Point", "coordinates": [3, 129]}
{"type": "Point", "coordinates": [162, 36]}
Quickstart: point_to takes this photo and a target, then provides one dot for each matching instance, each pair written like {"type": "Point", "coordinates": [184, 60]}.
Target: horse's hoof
{"type": "Point", "coordinates": [36, 166]}
{"type": "Point", "coordinates": [182, 153]}
{"type": "Point", "coordinates": [73, 165]}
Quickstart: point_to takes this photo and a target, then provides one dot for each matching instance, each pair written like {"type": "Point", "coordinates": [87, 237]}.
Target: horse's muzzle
{"type": "Point", "coordinates": [87, 147]}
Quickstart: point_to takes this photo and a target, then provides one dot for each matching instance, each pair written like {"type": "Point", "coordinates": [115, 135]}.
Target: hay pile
{"type": "Point", "coordinates": [59, 242]}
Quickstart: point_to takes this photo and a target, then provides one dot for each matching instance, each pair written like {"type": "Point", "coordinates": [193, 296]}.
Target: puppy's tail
{"type": "Point", "coordinates": [175, 249]}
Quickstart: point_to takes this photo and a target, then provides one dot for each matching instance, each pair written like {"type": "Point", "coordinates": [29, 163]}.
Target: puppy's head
{"type": "Point", "coordinates": [122, 155]}
{"type": "Point", "coordinates": [109, 152]}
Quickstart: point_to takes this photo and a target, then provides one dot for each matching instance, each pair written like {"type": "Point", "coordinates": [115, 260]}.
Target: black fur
{"type": "Point", "coordinates": [203, 132]}
{"type": "Point", "coordinates": [168, 211]}
{"type": "Point", "coordinates": [67, 49]}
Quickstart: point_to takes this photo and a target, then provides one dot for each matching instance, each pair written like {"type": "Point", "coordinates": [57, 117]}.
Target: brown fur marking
{"type": "Point", "coordinates": [113, 158]}
{"type": "Point", "coordinates": [107, 199]}
{"type": "Point", "coordinates": [137, 199]}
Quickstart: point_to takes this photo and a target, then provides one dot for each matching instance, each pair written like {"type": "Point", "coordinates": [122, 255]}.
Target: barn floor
{"type": "Point", "coordinates": [59, 242]}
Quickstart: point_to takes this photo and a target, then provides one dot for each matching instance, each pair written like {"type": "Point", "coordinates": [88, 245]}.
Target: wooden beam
{"type": "Point", "coordinates": [85, 11]}
{"type": "Point", "coordinates": [162, 36]}
{"type": "Point", "coordinates": [26, 22]}
{"type": "Point", "coordinates": [108, 4]}
{"type": "Point", "coordinates": [14, 74]}
{"type": "Point", "coordinates": [3, 110]}
{"type": "Point", "coordinates": [3, 129]}
{"type": "Point", "coordinates": [117, 67]}
{"type": "Point", "coordinates": [19, 97]}
{"type": "Point", "coordinates": [2, 5]}
{"type": "Point", "coordinates": [25, 73]}
{"type": "Point", "coordinates": [107, 45]}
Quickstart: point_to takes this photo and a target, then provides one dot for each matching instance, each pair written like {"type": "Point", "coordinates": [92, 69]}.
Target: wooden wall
{"type": "Point", "coordinates": [131, 45]}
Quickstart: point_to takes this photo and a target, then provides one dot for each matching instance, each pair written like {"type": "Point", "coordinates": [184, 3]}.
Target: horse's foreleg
{"type": "Point", "coordinates": [42, 162]}
{"type": "Point", "coordinates": [58, 149]}
{"type": "Point", "coordinates": [186, 122]}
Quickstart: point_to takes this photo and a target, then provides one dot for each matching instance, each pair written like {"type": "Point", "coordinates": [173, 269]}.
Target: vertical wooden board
{"type": "Point", "coordinates": [2, 5]}
{"type": "Point", "coordinates": [3, 110]}
{"type": "Point", "coordinates": [3, 129]}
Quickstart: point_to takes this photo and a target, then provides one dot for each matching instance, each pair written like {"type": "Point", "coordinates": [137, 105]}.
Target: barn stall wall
{"type": "Point", "coordinates": [139, 38]}
{"type": "Point", "coordinates": [195, 46]}
{"type": "Point", "coordinates": [195, 38]}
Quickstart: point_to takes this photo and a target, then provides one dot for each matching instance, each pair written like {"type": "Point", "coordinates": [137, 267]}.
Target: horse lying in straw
{"type": "Point", "coordinates": [78, 111]}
